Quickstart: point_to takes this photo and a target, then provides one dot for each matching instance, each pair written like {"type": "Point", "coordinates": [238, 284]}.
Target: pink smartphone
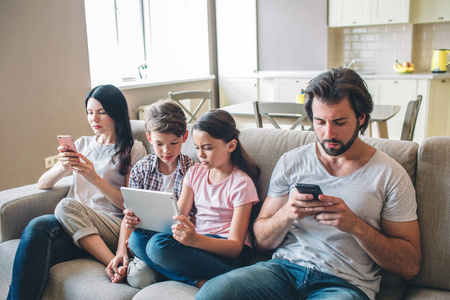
{"type": "Point", "coordinates": [66, 140]}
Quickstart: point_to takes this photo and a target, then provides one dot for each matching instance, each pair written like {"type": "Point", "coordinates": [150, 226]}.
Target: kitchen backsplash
{"type": "Point", "coordinates": [375, 48]}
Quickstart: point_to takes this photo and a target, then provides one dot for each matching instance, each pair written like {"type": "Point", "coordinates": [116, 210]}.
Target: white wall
{"type": "Point", "coordinates": [292, 35]}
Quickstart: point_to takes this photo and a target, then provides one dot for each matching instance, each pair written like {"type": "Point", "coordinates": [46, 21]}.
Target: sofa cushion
{"type": "Point", "coordinates": [270, 146]}
{"type": "Point", "coordinates": [421, 293]}
{"type": "Point", "coordinates": [170, 290]}
{"type": "Point", "coordinates": [404, 152]}
{"type": "Point", "coordinates": [433, 201]}
{"type": "Point", "coordinates": [139, 133]}
{"type": "Point", "coordinates": [85, 279]}
{"type": "Point", "coordinates": [7, 254]}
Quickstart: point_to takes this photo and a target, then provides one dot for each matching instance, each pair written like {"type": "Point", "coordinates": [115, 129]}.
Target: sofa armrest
{"type": "Point", "coordinates": [18, 206]}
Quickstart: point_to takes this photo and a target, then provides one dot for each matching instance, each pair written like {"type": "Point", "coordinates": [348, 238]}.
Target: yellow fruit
{"type": "Point", "coordinates": [406, 67]}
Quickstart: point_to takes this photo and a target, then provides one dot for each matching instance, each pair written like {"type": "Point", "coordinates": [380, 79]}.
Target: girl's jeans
{"type": "Point", "coordinates": [181, 263]}
{"type": "Point", "coordinates": [43, 244]}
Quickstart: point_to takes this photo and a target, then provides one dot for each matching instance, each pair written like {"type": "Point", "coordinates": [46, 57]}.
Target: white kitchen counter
{"type": "Point", "coordinates": [366, 75]}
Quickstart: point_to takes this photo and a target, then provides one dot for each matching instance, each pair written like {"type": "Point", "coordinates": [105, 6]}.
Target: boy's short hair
{"type": "Point", "coordinates": [166, 116]}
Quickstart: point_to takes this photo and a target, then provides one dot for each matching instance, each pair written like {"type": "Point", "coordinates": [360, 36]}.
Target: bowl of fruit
{"type": "Point", "coordinates": [403, 68]}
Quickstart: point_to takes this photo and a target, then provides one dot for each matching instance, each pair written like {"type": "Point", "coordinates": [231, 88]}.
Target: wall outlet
{"type": "Point", "coordinates": [50, 161]}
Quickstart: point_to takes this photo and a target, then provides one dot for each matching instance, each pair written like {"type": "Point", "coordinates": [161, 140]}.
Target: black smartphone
{"type": "Point", "coordinates": [306, 188]}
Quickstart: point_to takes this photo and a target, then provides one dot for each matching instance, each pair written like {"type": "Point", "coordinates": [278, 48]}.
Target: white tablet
{"type": "Point", "coordinates": [154, 209]}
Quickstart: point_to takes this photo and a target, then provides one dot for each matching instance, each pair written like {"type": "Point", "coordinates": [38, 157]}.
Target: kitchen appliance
{"type": "Point", "coordinates": [439, 62]}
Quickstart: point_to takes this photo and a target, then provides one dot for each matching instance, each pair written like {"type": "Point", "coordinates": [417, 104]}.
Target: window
{"type": "Point", "coordinates": [170, 37]}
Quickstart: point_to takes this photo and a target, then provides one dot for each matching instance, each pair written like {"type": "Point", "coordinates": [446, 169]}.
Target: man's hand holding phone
{"type": "Point", "coordinates": [303, 200]}
{"type": "Point", "coordinates": [330, 211]}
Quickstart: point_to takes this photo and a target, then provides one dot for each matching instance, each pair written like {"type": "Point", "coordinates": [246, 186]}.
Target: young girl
{"type": "Point", "coordinates": [222, 188]}
{"type": "Point", "coordinates": [92, 211]}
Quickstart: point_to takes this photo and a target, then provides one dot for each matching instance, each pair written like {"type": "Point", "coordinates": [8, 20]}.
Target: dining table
{"type": "Point", "coordinates": [244, 113]}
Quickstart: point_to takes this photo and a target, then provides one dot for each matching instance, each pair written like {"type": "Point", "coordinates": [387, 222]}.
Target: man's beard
{"type": "Point", "coordinates": [343, 148]}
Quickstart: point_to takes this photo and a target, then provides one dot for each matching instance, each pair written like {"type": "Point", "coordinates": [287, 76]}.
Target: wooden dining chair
{"type": "Point", "coordinates": [282, 109]}
{"type": "Point", "coordinates": [204, 96]}
{"type": "Point", "coordinates": [409, 124]}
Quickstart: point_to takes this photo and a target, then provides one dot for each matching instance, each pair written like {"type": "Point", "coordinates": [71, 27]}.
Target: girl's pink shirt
{"type": "Point", "coordinates": [215, 203]}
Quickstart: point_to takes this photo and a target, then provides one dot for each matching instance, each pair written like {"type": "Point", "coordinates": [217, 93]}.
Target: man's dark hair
{"type": "Point", "coordinates": [334, 86]}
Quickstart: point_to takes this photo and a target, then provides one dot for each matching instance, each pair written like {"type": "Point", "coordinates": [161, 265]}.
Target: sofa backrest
{"type": "Point", "coordinates": [266, 145]}
{"type": "Point", "coordinates": [433, 206]}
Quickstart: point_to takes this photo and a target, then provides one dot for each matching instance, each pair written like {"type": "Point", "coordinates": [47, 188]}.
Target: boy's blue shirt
{"type": "Point", "coordinates": [147, 175]}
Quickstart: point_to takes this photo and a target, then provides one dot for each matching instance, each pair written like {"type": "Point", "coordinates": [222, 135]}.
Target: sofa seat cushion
{"type": "Point", "coordinates": [170, 290]}
{"type": "Point", "coordinates": [84, 279]}
{"type": "Point", "coordinates": [7, 254]}
{"type": "Point", "coordinates": [420, 293]}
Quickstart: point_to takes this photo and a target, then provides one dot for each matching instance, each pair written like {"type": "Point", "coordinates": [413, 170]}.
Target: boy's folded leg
{"type": "Point", "coordinates": [140, 274]}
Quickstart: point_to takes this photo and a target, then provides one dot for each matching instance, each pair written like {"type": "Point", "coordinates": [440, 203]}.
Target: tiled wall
{"type": "Point", "coordinates": [377, 47]}
{"type": "Point", "coordinates": [426, 38]}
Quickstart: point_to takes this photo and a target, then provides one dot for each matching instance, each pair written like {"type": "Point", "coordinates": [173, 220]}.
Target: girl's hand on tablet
{"type": "Point", "coordinates": [184, 231]}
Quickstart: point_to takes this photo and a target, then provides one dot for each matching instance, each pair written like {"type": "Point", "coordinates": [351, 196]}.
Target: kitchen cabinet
{"type": "Point", "coordinates": [281, 89]}
{"type": "Point", "coordinates": [395, 92]}
{"type": "Point", "coordinates": [342, 13]}
{"type": "Point", "coordinates": [438, 110]}
{"type": "Point", "coordinates": [286, 90]}
{"type": "Point", "coordinates": [430, 11]}
{"type": "Point", "coordinates": [390, 11]}
{"type": "Point", "coordinates": [433, 118]}
{"type": "Point", "coordinates": [348, 12]}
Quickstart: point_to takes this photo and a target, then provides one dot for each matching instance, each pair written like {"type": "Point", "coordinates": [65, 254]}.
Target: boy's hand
{"type": "Point", "coordinates": [131, 219]}
{"type": "Point", "coordinates": [117, 268]}
{"type": "Point", "coordinates": [184, 232]}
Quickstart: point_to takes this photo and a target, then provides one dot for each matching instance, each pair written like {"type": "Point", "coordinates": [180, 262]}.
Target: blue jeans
{"type": "Point", "coordinates": [278, 279]}
{"type": "Point", "coordinates": [178, 262]}
{"type": "Point", "coordinates": [43, 244]}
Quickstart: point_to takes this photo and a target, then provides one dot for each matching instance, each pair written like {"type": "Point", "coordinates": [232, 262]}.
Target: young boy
{"type": "Point", "coordinates": [163, 170]}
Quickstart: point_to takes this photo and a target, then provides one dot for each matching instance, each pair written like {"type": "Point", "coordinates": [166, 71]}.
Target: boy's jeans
{"type": "Point", "coordinates": [43, 244]}
{"type": "Point", "coordinates": [278, 279]}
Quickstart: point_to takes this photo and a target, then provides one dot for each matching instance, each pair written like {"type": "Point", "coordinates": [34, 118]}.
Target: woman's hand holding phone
{"type": "Point", "coordinates": [68, 154]}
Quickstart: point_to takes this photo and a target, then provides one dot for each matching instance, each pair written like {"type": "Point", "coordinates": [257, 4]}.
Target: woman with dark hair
{"type": "Point", "coordinates": [222, 189]}
{"type": "Point", "coordinates": [88, 220]}
{"type": "Point", "coordinates": [115, 106]}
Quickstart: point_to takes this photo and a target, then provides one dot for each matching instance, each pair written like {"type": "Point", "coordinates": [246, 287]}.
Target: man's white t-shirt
{"type": "Point", "coordinates": [381, 189]}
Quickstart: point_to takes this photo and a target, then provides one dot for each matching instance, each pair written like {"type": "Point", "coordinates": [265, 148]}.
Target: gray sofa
{"type": "Point", "coordinates": [428, 166]}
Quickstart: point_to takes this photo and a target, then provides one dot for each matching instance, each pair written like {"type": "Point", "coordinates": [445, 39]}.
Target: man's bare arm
{"type": "Point", "coordinates": [397, 249]}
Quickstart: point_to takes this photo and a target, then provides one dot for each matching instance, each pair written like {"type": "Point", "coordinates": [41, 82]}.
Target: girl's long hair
{"type": "Point", "coordinates": [115, 105]}
{"type": "Point", "coordinates": [219, 124]}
